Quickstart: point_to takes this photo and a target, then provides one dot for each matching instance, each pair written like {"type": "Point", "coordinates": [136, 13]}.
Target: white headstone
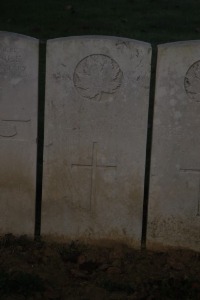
{"type": "Point", "coordinates": [18, 132]}
{"type": "Point", "coordinates": [97, 91]}
{"type": "Point", "coordinates": [174, 204]}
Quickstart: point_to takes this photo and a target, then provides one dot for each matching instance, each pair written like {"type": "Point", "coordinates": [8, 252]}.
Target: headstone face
{"type": "Point", "coordinates": [97, 91]}
{"type": "Point", "coordinates": [174, 204]}
{"type": "Point", "coordinates": [18, 132]}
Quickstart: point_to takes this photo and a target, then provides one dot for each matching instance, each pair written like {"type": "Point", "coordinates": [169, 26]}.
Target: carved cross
{"type": "Point", "coordinates": [93, 166]}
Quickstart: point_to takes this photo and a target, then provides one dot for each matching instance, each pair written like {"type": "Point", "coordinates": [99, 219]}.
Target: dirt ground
{"type": "Point", "coordinates": [71, 271]}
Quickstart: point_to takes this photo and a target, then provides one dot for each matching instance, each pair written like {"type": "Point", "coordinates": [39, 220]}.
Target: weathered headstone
{"type": "Point", "coordinates": [18, 132]}
{"type": "Point", "coordinates": [97, 91]}
{"type": "Point", "coordinates": [174, 204]}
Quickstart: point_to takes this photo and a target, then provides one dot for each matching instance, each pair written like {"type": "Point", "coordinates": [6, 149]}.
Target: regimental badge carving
{"type": "Point", "coordinates": [97, 74]}
{"type": "Point", "coordinates": [192, 82]}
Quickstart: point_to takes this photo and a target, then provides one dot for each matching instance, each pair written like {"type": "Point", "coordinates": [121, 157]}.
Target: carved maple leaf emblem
{"type": "Point", "coordinates": [97, 74]}
{"type": "Point", "coordinates": [192, 82]}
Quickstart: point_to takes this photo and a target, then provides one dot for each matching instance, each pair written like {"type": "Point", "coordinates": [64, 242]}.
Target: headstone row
{"type": "Point", "coordinates": [96, 115]}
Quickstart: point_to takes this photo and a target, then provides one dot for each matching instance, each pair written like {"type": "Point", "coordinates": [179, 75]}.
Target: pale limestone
{"type": "Point", "coordinates": [18, 132]}
{"type": "Point", "coordinates": [174, 215]}
{"type": "Point", "coordinates": [97, 93]}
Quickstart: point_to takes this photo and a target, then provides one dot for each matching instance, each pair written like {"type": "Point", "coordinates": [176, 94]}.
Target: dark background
{"type": "Point", "coordinates": [155, 21]}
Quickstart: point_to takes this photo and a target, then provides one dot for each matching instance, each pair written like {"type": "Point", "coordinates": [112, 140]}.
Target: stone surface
{"type": "Point", "coordinates": [97, 91]}
{"type": "Point", "coordinates": [18, 132]}
{"type": "Point", "coordinates": [174, 212]}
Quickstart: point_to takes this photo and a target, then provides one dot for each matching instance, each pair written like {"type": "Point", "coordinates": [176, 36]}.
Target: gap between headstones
{"type": "Point", "coordinates": [40, 140]}
{"type": "Point", "coordinates": [149, 146]}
